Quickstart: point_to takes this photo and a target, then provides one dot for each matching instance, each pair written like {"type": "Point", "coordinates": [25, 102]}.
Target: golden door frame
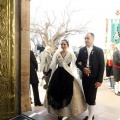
{"type": "Point", "coordinates": [14, 57]}
{"type": "Point", "coordinates": [7, 58]}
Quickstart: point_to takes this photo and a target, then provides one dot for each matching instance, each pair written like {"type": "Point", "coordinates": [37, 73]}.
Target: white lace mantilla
{"type": "Point", "coordinates": [60, 60]}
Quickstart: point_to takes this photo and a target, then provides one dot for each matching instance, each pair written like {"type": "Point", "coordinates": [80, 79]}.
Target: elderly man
{"type": "Point", "coordinates": [34, 79]}
{"type": "Point", "coordinates": [45, 60]}
{"type": "Point", "coordinates": [91, 62]}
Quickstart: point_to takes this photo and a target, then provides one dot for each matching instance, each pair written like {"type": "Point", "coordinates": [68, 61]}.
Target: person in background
{"type": "Point", "coordinates": [104, 75]}
{"type": "Point", "coordinates": [91, 62]}
{"type": "Point", "coordinates": [45, 60]}
{"type": "Point", "coordinates": [34, 78]}
{"type": "Point", "coordinates": [116, 70]}
{"type": "Point", "coordinates": [54, 50]}
{"type": "Point", "coordinates": [109, 64]}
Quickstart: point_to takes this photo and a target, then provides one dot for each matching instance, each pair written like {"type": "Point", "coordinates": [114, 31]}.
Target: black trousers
{"type": "Point", "coordinates": [89, 90]}
{"type": "Point", "coordinates": [109, 71]}
{"type": "Point", "coordinates": [36, 94]}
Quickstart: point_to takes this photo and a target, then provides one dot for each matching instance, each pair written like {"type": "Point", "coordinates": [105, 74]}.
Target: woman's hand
{"type": "Point", "coordinates": [44, 77]}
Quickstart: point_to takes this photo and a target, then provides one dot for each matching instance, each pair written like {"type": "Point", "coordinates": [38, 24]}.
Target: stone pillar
{"type": "Point", "coordinates": [25, 55]}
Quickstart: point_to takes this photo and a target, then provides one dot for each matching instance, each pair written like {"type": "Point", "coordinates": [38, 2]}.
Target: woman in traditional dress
{"type": "Point", "coordinates": [64, 96]}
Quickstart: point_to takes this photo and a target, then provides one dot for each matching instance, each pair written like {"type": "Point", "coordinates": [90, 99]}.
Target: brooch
{"type": "Point", "coordinates": [59, 56]}
{"type": "Point", "coordinates": [92, 52]}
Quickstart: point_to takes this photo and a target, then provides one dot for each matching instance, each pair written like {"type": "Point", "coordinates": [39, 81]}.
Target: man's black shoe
{"type": "Point", "coordinates": [60, 117]}
{"type": "Point", "coordinates": [86, 118]}
{"type": "Point", "coordinates": [118, 94]}
{"type": "Point", "coordinates": [39, 104]}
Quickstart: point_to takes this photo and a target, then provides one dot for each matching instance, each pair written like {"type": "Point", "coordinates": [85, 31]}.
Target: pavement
{"type": "Point", "coordinates": [107, 105]}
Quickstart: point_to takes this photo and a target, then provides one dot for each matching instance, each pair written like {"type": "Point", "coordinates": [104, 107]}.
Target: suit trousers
{"type": "Point", "coordinates": [89, 89]}
{"type": "Point", "coordinates": [36, 94]}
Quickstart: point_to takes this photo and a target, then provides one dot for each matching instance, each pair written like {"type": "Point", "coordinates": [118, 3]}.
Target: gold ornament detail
{"type": "Point", "coordinates": [7, 81]}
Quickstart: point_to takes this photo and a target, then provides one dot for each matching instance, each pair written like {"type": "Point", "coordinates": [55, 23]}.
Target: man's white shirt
{"type": "Point", "coordinates": [89, 49]}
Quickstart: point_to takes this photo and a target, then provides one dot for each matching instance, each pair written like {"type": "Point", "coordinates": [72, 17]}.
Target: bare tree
{"type": "Point", "coordinates": [51, 32]}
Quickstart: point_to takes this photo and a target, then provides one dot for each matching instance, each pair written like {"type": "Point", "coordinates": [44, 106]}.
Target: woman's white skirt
{"type": "Point", "coordinates": [75, 108]}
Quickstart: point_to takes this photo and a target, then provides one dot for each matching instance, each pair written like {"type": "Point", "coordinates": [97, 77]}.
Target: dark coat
{"type": "Point", "coordinates": [33, 69]}
{"type": "Point", "coordinates": [116, 61]}
{"type": "Point", "coordinates": [96, 62]}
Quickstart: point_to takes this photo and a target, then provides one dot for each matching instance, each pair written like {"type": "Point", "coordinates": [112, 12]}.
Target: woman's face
{"type": "Point", "coordinates": [64, 45]}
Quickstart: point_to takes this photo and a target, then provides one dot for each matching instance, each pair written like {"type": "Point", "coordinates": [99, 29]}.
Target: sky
{"type": "Point", "coordinates": [93, 12]}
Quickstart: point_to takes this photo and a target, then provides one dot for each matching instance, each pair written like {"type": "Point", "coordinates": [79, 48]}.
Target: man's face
{"type": "Point", "coordinates": [113, 46]}
{"type": "Point", "coordinates": [89, 40]}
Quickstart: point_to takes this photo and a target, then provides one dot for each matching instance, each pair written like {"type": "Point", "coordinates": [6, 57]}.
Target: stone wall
{"type": "Point", "coordinates": [25, 55]}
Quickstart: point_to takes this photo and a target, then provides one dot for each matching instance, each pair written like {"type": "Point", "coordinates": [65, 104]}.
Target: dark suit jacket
{"type": "Point", "coordinates": [96, 62]}
{"type": "Point", "coordinates": [33, 69]}
{"type": "Point", "coordinates": [116, 61]}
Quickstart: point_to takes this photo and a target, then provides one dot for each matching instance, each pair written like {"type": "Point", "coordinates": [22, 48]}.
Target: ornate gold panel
{"type": "Point", "coordinates": [7, 78]}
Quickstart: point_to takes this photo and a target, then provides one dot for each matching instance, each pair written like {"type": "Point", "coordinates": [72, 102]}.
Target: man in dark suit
{"type": "Point", "coordinates": [91, 62]}
{"type": "Point", "coordinates": [34, 78]}
{"type": "Point", "coordinates": [116, 70]}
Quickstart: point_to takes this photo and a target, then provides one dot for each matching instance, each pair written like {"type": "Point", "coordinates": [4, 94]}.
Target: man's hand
{"type": "Point", "coordinates": [97, 84]}
{"type": "Point", "coordinates": [86, 70]}
{"type": "Point", "coordinates": [80, 63]}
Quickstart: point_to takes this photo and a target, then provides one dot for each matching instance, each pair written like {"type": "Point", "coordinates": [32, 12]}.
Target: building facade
{"type": "Point", "coordinates": [14, 57]}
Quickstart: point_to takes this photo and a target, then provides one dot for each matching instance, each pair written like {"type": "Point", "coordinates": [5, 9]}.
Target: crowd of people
{"type": "Point", "coordinates": [112, 63]}
{"type": "Point", "coordinates": [68, 93]}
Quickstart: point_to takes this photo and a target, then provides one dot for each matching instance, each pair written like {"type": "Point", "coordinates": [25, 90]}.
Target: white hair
{"type": "Point", "coordinates": [47, 47]}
